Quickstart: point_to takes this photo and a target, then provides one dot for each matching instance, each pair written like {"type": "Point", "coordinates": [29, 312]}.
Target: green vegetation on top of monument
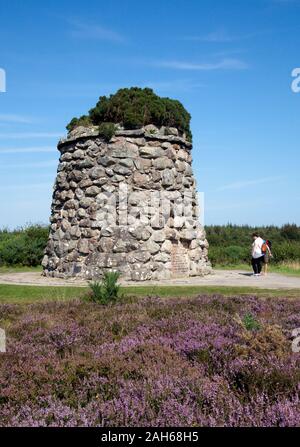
{"type": "Point", "coordinates": [136, 107]}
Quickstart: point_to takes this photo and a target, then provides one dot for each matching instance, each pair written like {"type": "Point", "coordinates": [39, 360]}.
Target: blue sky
{"type": "Point", "coordinates": [229, 62]}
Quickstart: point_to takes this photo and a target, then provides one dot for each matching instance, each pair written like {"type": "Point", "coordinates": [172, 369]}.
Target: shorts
{"type": "Point", "coordinates": [266, 259]}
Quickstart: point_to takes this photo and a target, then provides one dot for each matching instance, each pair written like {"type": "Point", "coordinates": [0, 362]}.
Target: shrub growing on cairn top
{"type": "Point", "coordinates": [134, 108]}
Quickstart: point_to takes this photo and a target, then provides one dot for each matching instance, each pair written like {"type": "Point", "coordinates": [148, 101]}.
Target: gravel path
{"type": "Point", "coordinates": [219, 278]}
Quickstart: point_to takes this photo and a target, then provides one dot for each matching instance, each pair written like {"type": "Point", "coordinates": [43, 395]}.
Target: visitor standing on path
{"type": "Point", "coordinates": [257, 254]}
{"type": "Point", "coordinates": [267, 255]}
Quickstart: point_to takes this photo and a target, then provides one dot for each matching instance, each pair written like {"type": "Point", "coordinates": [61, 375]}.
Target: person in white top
{"type": "Point", "coordinates": [257, 254]}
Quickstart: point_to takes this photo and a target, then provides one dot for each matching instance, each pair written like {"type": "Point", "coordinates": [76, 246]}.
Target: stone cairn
{"type": "Point", "coordinates": [129, 205]}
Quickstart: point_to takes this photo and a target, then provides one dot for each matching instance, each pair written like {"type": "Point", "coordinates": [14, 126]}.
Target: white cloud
{"type": "Point", "coordinates": [224, 64]}
{"type": "Point", "coordinates": [245, 184]}
{"type": "Point", "coordinates": [92, 31]}
{"type": "Point", "coordinates": [215, 36]}
{"type": "Point", "coordinates": [12, 118]}
{"type": "Point", "coordinates": [222, 36]}
{"type": "Point", "coordinates": [172, 85]}
{"type": "Point", "coordinates": [2, 80]}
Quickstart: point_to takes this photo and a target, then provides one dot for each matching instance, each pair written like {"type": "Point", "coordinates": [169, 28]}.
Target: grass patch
{"type": "Point", "coordinates": [23, 294]}
{"type": "Point", "coordinates": [286, 268]}
{"type": "Point", "coordinates": [19, 269]}
{"type": "Point", "coordinates": [190, 291]}
{"type": "Point", "coordinates": [30, 294]}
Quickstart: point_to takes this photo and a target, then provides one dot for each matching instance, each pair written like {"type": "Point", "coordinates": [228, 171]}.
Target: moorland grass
{"type": "Point", "coordinates": [24, 294]}
{"type": "Point", "coordinates": [285, 268]}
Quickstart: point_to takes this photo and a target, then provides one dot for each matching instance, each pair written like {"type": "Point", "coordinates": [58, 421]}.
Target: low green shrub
{"type": "Point", "coordinates": [107, 291]}
{"type": "Point", "coordinates": [136, 107]}
{"type": "Point", "coordinates": [24, 246]}
{"type": "Point", "coordinates": [231, 244]}
{"type": "Point", "coordinates": [84, 120]}
{"type": "Point", "coordinates": [290, 232]}
{"type": "Point", "coordinates": [107, 130]}
{"type": "Point", "coordinates": [286, 251]}
{"type": "Point", "coordinates": [250, 322]}
{"type": "Point", "coordinates": [232, 254]}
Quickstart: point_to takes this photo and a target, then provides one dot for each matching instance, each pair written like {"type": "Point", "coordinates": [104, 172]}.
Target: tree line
{"type": "Point", "coordinates": [229, 244]}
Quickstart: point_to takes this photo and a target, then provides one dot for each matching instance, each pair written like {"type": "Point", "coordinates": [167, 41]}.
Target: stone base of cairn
{"type": "Point", "coordinates": [129, 205]}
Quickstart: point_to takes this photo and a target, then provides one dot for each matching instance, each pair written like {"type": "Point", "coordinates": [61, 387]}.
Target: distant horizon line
{"type": "Point", "coordinates": [229, 224]}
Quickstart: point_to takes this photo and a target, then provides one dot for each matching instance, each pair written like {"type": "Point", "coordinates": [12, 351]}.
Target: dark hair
{"type": "Point", "coordinates": [255, 235]}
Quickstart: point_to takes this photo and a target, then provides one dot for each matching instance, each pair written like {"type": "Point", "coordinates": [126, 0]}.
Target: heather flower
{"type": "Point", "coordinates": [151, 362]}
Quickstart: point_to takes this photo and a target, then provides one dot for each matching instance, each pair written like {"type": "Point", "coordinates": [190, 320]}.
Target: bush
{"type": "Point", "coordinates": [229, 255]}
{"type": "Point", "coordinates": [231, 244]}
{"type": "Point", "coordinates": [136, 107]}
{"type": "Point", "coordinates": [84, 120]}
{"type": "Point", "coordinates": [107, 130]}
{"type": "Point", "coordinates": [286, 251]}
{"type": "Point", "coordinates": [107, 291]}
{"type": "Point", "coordinates": [250, 323]}
{"type": "Point", "coordinates": [24, 246]}
{"type": "Point", "coordinates": [291, 232]}
{"type": "Point", "coordinates": [235, 253]}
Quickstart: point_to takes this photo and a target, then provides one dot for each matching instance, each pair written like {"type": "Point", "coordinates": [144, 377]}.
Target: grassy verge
{"type": "Point", "coordinates": [289, 268]}
{"type": "Point", "coordinates": [29, 294]}
{"type": "Point", "coordinates": [19, 269]}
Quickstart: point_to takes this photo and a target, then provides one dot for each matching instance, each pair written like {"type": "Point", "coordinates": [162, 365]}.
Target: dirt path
{"type": "Point", "coordinates": [219, 278]}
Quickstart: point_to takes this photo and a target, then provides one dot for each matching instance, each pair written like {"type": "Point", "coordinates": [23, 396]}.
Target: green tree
{"type": "Point", "coordinates": [136, 107]}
